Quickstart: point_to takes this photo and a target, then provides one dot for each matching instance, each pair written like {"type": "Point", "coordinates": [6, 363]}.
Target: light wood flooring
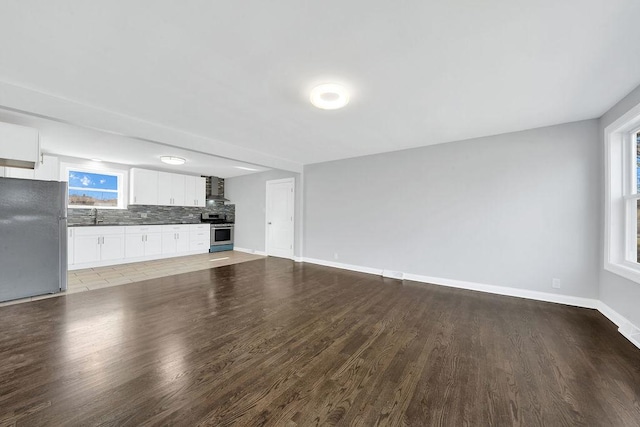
{"type": "Point", "coordinates": [101, 277]}
{"type": "Point", "coordinates": [115, 275]}
{"type": "Point", "coordinates": [277, 343]}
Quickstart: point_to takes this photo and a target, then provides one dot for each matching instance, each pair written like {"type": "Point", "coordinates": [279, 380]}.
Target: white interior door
{"type": "Point", "coordinates": [279, 217]}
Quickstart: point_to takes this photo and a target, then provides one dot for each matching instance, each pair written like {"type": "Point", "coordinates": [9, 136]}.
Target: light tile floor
{"type": "Point", "coordinates": [115, 275]}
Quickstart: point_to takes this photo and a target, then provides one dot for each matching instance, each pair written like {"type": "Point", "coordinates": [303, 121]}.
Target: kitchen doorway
{"type": "Point", "coordinates": [280, 217]}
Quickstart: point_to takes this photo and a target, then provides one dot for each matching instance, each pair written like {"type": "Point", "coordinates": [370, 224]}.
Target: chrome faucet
{"type": "Point", "coordinates": [95, 216]}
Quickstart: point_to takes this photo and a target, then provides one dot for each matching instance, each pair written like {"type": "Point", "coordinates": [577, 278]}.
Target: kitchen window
{"type": "Point", "coordinates": [95, 189]}
{"type": "Point", "coordinates": [622, 196]}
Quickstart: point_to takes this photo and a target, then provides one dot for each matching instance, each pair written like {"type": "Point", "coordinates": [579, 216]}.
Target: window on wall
{"type": "Point", "coordinates": [632, 197]}
{"type": "Point", "coordinates": [622, 196]}
{"type": "Point", "coordinates": [95, 189]}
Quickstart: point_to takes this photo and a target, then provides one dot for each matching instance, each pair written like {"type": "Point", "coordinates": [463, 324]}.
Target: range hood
{"type": "Point", "coordinates": [214, 185]}
{"type": "Point", "coordinates": [19, 146]}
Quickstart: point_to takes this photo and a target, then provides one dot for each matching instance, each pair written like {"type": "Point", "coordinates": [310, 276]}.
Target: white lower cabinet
{"type": "Point", "coordinates": [175, 239]}
{"type": "Point", "coordinates": [112, 247]}
{"type": "Point", "coordinates": [86, 249]}
{"type": "Point", "coordinates": [70, 245]}
{"type": "Point", "coordinates": [143, 241]}
{"type": "Point", "coordinates": [96, 246]}
{"type": "Point", "coordinates": [199, 237]}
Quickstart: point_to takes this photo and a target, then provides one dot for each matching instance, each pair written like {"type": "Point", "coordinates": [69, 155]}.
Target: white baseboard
{"type": "Point", "coordinates": [503, 290]}
{"type": "Point", "coordinates": [631, 332]}
{"type": "Point", "coordinates": [611, 314]}
{"type": "Point", "coordinates": [245, 250]}
{"type": "Point", "coordinates": [368, 270]}
{"type": "Point", "coordinates": [625, 327]}
{"type": "Point", "coordinates": [249, 251]}
{"type": "Point", "coordinates": [263, 253]}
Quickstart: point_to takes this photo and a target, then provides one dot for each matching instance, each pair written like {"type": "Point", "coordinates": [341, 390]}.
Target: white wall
{"type": "Point", "coordinates": [512, 210]}
{"type": "Point", "coordinates": [248, 193]}
{"type": "Point", "coordinates": [620, 294]}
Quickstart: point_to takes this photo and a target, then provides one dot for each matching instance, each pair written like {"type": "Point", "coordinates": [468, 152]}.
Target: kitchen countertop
{"type": "Point", "coordinates": [142, 225]}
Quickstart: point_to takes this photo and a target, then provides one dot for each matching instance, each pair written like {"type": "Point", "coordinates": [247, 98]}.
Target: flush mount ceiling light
{"type": "Point", "coordinates": [245, 168]}
{"type": "Point", "coordinates": [96, 160]}
{"type": "Point", "coordinates": [171, 160]}
{"type": "Point", "coordinates": [329, 96]}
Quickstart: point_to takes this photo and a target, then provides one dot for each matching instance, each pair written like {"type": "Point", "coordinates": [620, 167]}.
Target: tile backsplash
{"type": "Point", "coordinates": [137, 214]}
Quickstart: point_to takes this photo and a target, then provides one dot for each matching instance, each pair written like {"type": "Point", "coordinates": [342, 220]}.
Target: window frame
{"type": "Point", "coordinates": [631, 196]}
{"type": "Point", "coordinates": [112, 172]}
{"type": "Point", "coordinates": [621, 196]}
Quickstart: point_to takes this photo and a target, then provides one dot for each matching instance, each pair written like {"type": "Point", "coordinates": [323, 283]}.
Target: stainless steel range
{"type": "Point", "coordinates": [221, 232]}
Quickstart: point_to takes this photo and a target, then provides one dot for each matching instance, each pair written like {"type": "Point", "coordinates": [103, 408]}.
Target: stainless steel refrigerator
{"type": "Point", "coordinates": [33, 238]}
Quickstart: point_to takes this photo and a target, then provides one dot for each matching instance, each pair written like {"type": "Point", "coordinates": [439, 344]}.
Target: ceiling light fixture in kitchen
{"type": "Point", "coordinates": [246, 169]}
{"type": "Point", "coordinates": [96, 160]}
{"type": "Point", "coordinates": [329, 96]}
{"type": "Point", "coordinates": [172, 160]}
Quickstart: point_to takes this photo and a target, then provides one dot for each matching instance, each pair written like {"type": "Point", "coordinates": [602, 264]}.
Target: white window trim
{"type": "Point", "coordinates": [121, 186]}
{"type": "Point", "coordinates": [618, 191]}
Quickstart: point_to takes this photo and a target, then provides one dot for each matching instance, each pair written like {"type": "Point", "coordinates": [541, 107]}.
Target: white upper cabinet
{"type": "Point", "coordinates": [194, 191]}
{"type": "Point", "coordinates": [144, 187]}
{"type": "Point", "coordinates": [19, 146]}
{"type": "Point", "coordinates": [171, 189]}
{"type": "Point", "coordinates": [190, 191]}
{"type": "Point", "coordinates": [201, 191]}
{"type": "Point", "coordinates": [19, 173]}
{"type": "Point", "coordinates": [177, 189]}
{"type": "Point", "coordinates": [47, 169]}
{"type": "Point", "coordinates": [166, 189]}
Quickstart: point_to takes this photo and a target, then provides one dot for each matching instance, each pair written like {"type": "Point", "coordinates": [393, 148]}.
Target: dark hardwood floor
{"type": "Point", "coordinates": [271, 342]}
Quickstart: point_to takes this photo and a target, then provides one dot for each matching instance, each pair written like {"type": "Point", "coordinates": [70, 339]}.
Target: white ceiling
{"type": "Point", "coordinates": [73, 141]}
{"type": "Point", "coordinates": [233, 78]}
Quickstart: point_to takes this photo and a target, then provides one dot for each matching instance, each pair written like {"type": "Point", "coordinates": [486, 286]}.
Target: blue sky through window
{"type": "Point", "coordinates": [94, 181]}
{"type": "Point", "coordinates": [87, 189]}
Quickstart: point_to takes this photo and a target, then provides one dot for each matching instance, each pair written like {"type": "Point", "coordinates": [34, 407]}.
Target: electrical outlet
{"type": "Point", "coordinates": [555, 283]}
{"type": "Point", "coordinates": [335, 255]}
